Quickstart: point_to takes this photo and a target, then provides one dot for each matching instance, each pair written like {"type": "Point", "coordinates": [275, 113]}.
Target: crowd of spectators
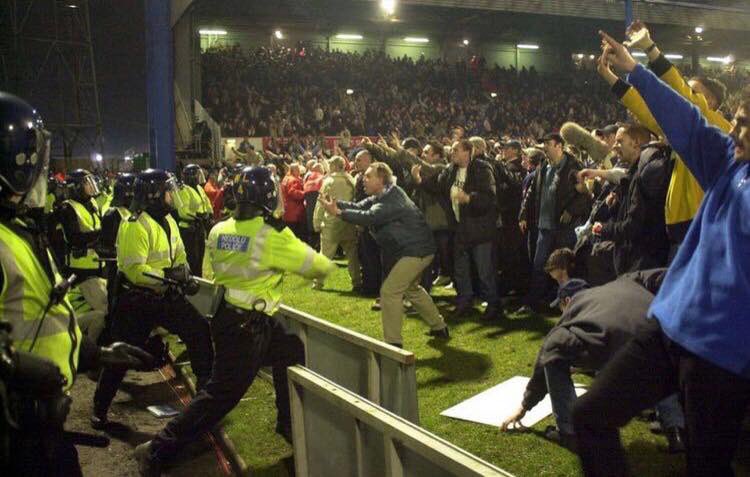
{"type": "Point", "coordinates": [303, 92]}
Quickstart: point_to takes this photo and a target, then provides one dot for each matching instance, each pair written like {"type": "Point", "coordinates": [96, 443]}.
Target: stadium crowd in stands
{"type": "Point", "coordinates": [285, 92]}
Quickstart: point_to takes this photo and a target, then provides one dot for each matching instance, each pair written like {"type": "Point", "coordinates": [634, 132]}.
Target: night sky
{"type": "Point", "coordinates": [118, 30]}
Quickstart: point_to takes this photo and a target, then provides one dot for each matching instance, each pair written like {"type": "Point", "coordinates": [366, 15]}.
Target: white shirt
{"type": "Point", "coordinates": [458, 185]}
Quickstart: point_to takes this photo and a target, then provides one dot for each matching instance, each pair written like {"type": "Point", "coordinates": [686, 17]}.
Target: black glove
{"type": "Point", "coordinates": [191, 287]}
{"type": "Point", "coordinates": [125, 356]}
{"type": "Point", "coordinates": [180, 273]}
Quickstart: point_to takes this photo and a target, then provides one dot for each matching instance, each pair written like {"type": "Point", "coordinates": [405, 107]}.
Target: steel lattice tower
{"type": "Point", "coordinates": [47, 58]}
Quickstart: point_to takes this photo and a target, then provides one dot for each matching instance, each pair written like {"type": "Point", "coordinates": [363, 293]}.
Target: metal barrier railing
{"type": "Point", "coordinates": [337, 432]}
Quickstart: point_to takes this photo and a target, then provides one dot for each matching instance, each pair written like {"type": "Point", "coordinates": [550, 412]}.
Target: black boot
{"type": "Point", "coordinates": [675, 440]}
{"type": "Point", "coordinates": [442, 333]}
{"type": "Point", "coordinates": [99, 419]}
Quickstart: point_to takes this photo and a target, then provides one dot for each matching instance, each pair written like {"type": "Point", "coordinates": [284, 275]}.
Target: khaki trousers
{"type": "Point", "coordinates": [403, 282]}
{"type": "Point", "coordinates": [330, 241]}
{"type": "Point", "coordinates": [94, 291]}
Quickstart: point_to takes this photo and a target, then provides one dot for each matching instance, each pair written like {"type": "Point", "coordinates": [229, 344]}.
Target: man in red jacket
{"type": "Point", "coordinates": [292, 191]}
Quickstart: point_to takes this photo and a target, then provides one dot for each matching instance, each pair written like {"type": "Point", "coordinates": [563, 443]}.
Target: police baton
{"type": "Point", "coordinates": [164, 280]}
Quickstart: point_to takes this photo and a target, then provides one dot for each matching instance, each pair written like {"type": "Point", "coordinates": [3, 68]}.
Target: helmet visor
{"type": "Point", "coordinates": [37, 195]}
{"type": "Point", "coordinates": [172, 188]}
{"type": "Point", "coordinates": [90, 186]}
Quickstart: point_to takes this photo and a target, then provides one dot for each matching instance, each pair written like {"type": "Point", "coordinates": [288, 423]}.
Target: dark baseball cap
{"type": "Point", "coordinates": [568, 290]}
{"type": "Point", "coordinates": [513, 145]}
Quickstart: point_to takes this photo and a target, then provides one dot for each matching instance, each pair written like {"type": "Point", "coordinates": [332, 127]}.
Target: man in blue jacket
{"type": "Point", "coordinates": [697, 341]}
{"type": "Point", "coordinates": [406, 244]}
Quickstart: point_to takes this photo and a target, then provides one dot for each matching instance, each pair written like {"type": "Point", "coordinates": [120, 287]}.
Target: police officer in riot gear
{"type": "Point", "coordinates": [194, 216]}
{"type": "Point", "coordinates": [118, 212]}
{"type": "Point", "coordinates": [82, 224]}
{"type": "Point", "coordinates": [47, 346]}
{"type": "Point", "coordinates": [248, 255]}
{"type": "Point", "coordinates": [149, 243]}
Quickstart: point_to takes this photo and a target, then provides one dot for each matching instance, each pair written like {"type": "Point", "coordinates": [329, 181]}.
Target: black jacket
{"type": "Point", "coordinates": [639, 231]}
{"type": "Point", "coordinates": [597, 323]}
{"type": "Point", "coordinates": [567, 199]}
{"type": "Point", "coordinates": [479, 216]}
{"type": "Point", "coordinates": [509, 180]}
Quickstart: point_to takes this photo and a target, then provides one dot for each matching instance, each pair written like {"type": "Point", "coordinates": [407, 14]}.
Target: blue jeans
{"type": "Point", "coordinates": [482, 257]}
{"type": "Point", "coordinates": [547, 242]}
{"type": "Point", "coordinates": [562, 394]}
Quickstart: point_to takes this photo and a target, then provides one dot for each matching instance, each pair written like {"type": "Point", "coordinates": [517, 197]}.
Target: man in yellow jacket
{"type": "Point", "coordinates": [684, 195]}
{"type": "Point", "coordinates": [248, 255]}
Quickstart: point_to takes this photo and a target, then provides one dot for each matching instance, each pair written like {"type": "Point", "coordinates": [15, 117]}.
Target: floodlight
{"type": "Point", "coordinates": [699, 30]}
{"type": "Point", "coordinates": [466, 42]}
{"type": "Point", "coordinates": [388, 6]}
{"type": "Point", "coordinates": [527, 46]}
{"type": "Point", "coordinates": [350, 91]}
{"type": "Point", "coordinates": [415, 39]}
{"type": "Point", "coordinates": [349, 36]}
{"type": "Point", "coordinates": [217, 31]}
{"type": "Point", "coordinates": [278, 35]}
{"type": "Point", "coordinates": [673, 56]}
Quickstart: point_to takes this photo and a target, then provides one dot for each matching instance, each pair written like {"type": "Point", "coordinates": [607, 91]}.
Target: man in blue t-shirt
{"type": "Point", "coordinates": [697, 341]}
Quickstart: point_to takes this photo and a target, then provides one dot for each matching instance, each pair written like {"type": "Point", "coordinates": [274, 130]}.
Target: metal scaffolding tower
{"type": "Point", "coordinates": [47, 57]}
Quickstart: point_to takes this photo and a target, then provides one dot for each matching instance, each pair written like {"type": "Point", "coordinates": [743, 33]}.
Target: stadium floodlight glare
{"type": "Point", "coordinates": [466, 42]}
{"type": "Point", "coordinates": [349, 36]}
{"type": "Point", "coordinates": [673, 56]}
{"type": "Point", "coordinates": [98, 157]}
{"type": "Point", "coordinates": [527, 46]}
{"type": "Point", "coordinates": [128, 158]}
{"type": "Point", "coordinates": [591, 57]}
{"type": "Point", "coordinates": [388, 6]}
{"type": "Point", "coordinates": [579, 56]}
{"type": "Point", "coordinates": [720, 59]}
{"type": "Point", "coordinates": [71, 5]}
{"type": "Point", "coordinates": [216, 31]}
{"type": "Point", "coordinates": [350, 91]}
{"type": "Point", "coordinates": [699, 30]}
{"type": "Point", "coordinates": [494, 95]}
{"type": "Point", "coordinates": [278, 35]}
{"type": "Point", "coordinates": [416, 39]}
{"type": "Point", "coordinates": [639, 54]}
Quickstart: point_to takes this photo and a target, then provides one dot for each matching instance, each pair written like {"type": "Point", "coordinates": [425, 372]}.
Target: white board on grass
{"type": "Point", "coordinates": [498, 403]}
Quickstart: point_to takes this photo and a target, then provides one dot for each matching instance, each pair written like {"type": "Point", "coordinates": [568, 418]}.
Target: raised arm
{"type": "Point", "coordinates": [703, 148]}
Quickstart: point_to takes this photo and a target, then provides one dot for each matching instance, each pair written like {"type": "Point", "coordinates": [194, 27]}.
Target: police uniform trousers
{"type": "Point", "coordinates": [194, 239]}
{"type": "Point", "coordinates": [244, 342]}
{"type": "Point", "coordinates": [136, 314]}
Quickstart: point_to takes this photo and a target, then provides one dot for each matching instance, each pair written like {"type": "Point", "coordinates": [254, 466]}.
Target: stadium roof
{"type": "Point", "coordinates": [465, 18]}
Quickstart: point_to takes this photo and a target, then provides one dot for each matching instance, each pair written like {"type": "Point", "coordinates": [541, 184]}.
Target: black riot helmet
{"type": "Point", "coordinates": [193, 175]}
{"type": "Point", "coordinates": [122, 195]}
{"type": "Point", "coordinates": [24, 151]}
{"type": "Point", "coordinates": [151, 189]}
{"type": "Point", "coordinates": [81, 185]}
{"type": "Point", "coordinates": [255, 187]}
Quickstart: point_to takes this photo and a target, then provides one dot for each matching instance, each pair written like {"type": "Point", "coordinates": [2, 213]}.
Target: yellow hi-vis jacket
{"type": "Point", "coordinates": [103, 202]}
{"type": "Point", "coordinates": [249, 258]}
{"type": "Point", "coordinates": [143, 246]}
{"type": "Point", "coordinates": [194, 202]}
{"type": "Point", "coordinates": [24, 297]}
{"type": "Point", "coordinates": [684, 195]}
{"type": "Point", "coordinates": [88, 222]}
